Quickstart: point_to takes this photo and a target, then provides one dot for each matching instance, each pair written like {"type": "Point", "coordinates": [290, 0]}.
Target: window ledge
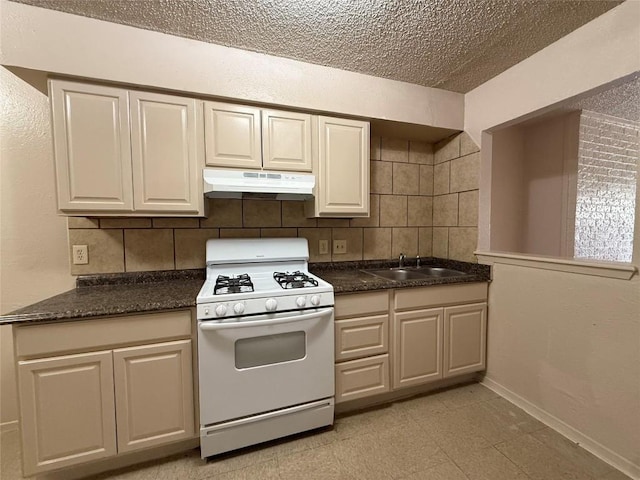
{"type": "Point", "coordinates": [623, 271]}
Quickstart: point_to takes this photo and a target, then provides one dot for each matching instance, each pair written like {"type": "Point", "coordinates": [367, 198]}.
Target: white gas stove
{"type": "Point", "coordinates": [251, 276]}
{"type": "Point", "coordinates": [265, 344]}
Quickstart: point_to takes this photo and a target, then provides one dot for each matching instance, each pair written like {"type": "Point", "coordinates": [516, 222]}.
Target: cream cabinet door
{"type": "Point", "coordinates": [154, 394]}
{"type": "Point", "coordinates": [167, 153]}
{"type": "Point", "coordinates": [67, 410]}
{"type": "Point", "coordinates": [465, 333]}
{"type": "Point", "coordinates": [286, 141]}
{"type": "Point", "coordinates": [92, 147]}
{"type": "Point", "coordinates": [232, 135]}
{"type": "Point", "coordinates": [417, 347]}
{"type": "Point", "coordinates": [343, 168]}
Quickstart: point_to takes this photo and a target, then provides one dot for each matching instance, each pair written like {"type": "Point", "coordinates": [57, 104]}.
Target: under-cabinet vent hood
{"type": "Point", "coordinates": [220, 183]}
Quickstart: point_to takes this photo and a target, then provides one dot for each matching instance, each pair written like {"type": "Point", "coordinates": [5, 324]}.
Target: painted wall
{"type": "Point", "coordinates": [92, 48]}
{"type": "Point", "coordinates": [564, 344]}
{"type": "Point", "coordinates": [569, 345]}
{"type": "Point", "coordinates": [33, 238]}
{"type": "Point", "coordinates": [550, 162]}
{"type": "Point", "coordinates": [530, 189]}
{"type": "Point", "coordinates": [507, 194]}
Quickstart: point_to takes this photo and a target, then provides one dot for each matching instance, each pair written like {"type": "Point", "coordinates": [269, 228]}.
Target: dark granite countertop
{"type": "Point", "coordinates": [115, 294]}
{"type": "Point", "coordinates": [127, 293]}
{"type": "Point", "coordinates": [348, 277]}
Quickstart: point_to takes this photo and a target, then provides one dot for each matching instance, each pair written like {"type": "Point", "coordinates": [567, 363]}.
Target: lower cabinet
{"type": "Point", "coordinates": [417, 347]}
{"type": "Point", "coordinates": [67, 409]}
{"type": "Point", "coordinates": [154, 394]}
{"type": "Point", "coordinates": [465, 334]}
{"type": "Point", "coordinates": [394, 339]}
{"type": "Point", "coordinates": [81, 407]}
{"type": "Point", "coordinates": [430, 342]}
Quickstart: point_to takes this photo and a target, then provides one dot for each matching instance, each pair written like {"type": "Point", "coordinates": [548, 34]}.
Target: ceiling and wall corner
{"type": "Point", "coordinates": [440, 43]}
{"type": "Point", "coordinates": [88, 48]}
{"type": "Point", "coordinates": [589, 59]}
{"type": "Point", "coordinates": [576, 66]}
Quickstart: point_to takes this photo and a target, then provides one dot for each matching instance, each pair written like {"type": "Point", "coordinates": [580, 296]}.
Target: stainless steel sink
{"type": "Point", "coordinates": [396, 274]}
{"type": "Point", "coordinates": [413, 273]}
{"type": "Point", "coordinates": [439, 271]}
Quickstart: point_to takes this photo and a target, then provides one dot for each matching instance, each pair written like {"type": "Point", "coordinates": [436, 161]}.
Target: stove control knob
{"type": "Point", "coordinates": [221, 310]}
{"type": "Point", "coordinates": [301, 301]}
{"type": "Point", "coordinates": [271, 304]}
{"type": "Point", "coordinates": [315, 300]}
{"type": "Point", "coordinates": [238, 308]}
{"type": "Point", "coordinates": [206, 311]}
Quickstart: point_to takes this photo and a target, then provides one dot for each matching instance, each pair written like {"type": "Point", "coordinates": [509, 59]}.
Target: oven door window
{"type": "Point", "coordinates": [270, 349]}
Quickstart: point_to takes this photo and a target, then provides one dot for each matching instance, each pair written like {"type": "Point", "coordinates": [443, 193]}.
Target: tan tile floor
{"type": "Point", "coordinates": [464, 433]}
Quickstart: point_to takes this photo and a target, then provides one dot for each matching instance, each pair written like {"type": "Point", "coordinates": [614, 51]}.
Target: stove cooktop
{"type": "Point", "coordinates": [296, 279]}
{"type": "Point", "coordinates": [254, 276]}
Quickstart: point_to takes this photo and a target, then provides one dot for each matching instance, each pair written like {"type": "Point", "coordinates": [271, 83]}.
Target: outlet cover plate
{"type": "Point", "coordinates": [80, 254]}
{"type": "Point", "coordinates": [339, 246]}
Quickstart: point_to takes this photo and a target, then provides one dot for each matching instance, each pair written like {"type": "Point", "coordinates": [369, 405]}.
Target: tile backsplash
{"type": "Point", "coordinates": [424, 201]}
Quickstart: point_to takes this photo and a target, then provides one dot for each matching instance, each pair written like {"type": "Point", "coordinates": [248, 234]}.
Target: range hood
{"type": "Point", "coordinates": [220, 183]}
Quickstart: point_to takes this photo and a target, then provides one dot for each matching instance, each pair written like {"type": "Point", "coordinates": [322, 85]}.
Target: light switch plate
{"type": "Point", "coordinates": [339, 246]}
{"type": "Point", "coordinates": [323, 247]}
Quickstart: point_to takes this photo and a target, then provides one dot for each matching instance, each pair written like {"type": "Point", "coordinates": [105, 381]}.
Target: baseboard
{"type": "Point", "coordinates": [8, 426]}
{"type": "Point", "coordinates": [589, 444]}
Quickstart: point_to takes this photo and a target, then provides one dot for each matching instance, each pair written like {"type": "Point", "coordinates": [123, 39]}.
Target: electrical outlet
{"type": "Point", "coordinates": [323, 247]}
{"type": "Point", "coordinates": [80, 254]}
{"type": "Point", "coordinates": [339, 246]}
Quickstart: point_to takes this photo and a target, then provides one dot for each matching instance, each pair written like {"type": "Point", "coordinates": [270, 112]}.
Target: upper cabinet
{"type": "Point", "coordinates": [232, 135]}
{"type": "Point", "coordinates": [92, 147]}
{"type": "Point", "coordinates": [166, 153]}
{"type": "Point", "coordinates": [124, 152]}
{"type": "Point", "coordinates": [135, 153]}
{"type": "Point", "coordinates": [238, 136]}
{"type": "Point", "coordinates": [286, 141]}
{"type": "Point", "coordinates": [342, 169]}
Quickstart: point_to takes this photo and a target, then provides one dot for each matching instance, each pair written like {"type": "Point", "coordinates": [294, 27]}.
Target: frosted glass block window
{"type": "Point", "coordinates": [609, 153]}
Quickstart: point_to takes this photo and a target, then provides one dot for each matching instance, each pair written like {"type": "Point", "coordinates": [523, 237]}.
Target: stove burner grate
{"type": "Point", "coordinates": [239, 284]}
{"type": "Point", "coordinates": [294, 280]}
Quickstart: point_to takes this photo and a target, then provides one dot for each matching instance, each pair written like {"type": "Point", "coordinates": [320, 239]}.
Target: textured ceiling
{"type": "Point", "coordinates": [450, 44]}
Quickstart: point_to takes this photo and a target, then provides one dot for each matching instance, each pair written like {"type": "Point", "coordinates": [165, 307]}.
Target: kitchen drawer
{"type": "Point", "coordinates": [92, 334]}
{"type": "Point", "coordinates": [361, 337]}
{"type": "Point", "coordinates": [427, 297]}
{"type": "Point", "coordinates": [362, 378]}
{"type": "Point", "coordinates": [360, 304]}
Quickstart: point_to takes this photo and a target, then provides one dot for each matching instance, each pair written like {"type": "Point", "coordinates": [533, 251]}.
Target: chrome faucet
{"type": "Point", "coordinates": [401, 260]}
{"type": "Point", "coordinates": [417, 261]}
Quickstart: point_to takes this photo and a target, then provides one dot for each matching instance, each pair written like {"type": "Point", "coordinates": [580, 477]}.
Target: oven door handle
{"type": "Point", "coordinates": [263, 323]}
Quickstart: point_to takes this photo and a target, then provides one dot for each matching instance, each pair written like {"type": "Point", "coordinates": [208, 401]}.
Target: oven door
{"type": "Point", "coordinates": [264, 363]}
